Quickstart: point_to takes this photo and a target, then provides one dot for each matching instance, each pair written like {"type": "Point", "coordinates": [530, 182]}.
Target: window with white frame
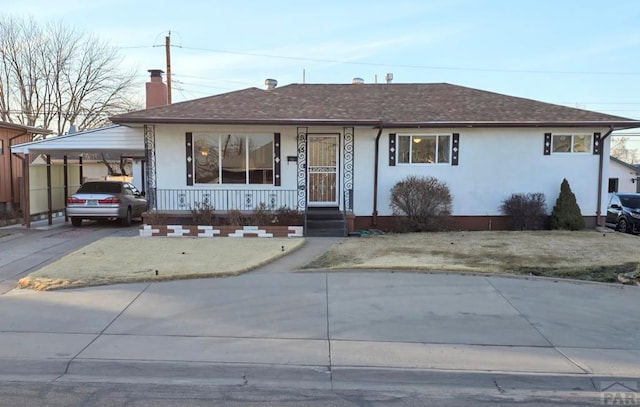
{"type": "Point", "coordinates": [571, 143]}
{"type": "Point", "coordinates": [424, 148]}
{"type": "Point", "coordinates": [233, 159]}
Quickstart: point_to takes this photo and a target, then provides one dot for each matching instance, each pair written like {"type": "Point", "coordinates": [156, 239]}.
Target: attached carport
{"type": "Point", "coordinates": [126, 141]}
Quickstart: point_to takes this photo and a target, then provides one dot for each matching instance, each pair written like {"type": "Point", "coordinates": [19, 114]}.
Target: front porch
{"type": "Point", "coordinates": [227, 199]}
{"type": "Point", "coordinates": [281, 207]}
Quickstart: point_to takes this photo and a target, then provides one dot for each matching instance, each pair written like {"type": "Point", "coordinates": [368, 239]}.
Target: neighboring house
{"type": "Point", "coordinates": [623, 177]}
{"type": "Point", "coordinates": [93, 166]}
{"type": "Point", "coordinates": [11, 167]}
{"type": "Point", "coordinates": [345, 146]}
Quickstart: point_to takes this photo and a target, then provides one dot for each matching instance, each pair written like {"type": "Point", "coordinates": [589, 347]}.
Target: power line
{"type": "Point", "coordinates": [392, 65]}
{"type": "Point", "coordinates": [450, 68]}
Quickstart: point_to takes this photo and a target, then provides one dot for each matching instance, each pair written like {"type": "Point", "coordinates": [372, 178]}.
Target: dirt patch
{"type": "Point", "coordinates": [586, 255]}
{"type": "Point", "coordinates": [129, 259]}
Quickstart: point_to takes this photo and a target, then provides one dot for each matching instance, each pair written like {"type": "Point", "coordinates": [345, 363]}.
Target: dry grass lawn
{"type": "Point", "coordinates": [587, 255]}
{"type": "Point", "coordinates": [125, 260]}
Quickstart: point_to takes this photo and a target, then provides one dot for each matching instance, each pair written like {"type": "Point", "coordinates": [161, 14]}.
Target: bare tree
{"type": "Point", "coordinates": [620, 150]}
{"type": "Point", "coordinates": [56, 75]}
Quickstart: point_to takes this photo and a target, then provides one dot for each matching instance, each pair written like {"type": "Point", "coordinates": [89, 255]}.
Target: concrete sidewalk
{"type": "Point", "coordinates": [335, 330]}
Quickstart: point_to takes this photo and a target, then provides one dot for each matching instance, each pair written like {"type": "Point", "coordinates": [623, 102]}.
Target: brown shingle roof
{"type": "Point", "coordinates": [22, 127]}
{"type": "Point", "coordinates": [399, 105]}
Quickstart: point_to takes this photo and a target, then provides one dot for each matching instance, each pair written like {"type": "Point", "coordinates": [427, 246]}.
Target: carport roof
{"type": "Point", "coordinates": [112, 139]}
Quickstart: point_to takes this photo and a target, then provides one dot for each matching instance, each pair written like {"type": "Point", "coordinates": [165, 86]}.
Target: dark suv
{"type": "Point", "coordinates": [623, 212]}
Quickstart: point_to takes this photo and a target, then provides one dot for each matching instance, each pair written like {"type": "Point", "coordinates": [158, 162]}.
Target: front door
{"type": "Point", "coordinates": [322, 170]}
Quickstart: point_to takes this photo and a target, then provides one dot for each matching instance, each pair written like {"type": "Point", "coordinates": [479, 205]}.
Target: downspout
{"type": "Point", "coordinates": [600, 170]}
{"type": "Point", "coordinates": [374, 215]}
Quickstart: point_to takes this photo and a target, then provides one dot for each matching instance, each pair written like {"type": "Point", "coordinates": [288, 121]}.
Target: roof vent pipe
{"type": "Point", "coordinates": [388, 77]}
{"type": "Point", "coordinates": [270, 83]}
{"type": "Point", "coordinates": [357, 81]}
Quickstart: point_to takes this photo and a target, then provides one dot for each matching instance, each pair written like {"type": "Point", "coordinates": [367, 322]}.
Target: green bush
{"type": "Point", "coordinates": [421, 203]}
{"type": "Point", "coordinates": [566, 213]}
{"type": "Point", "coordinates": [526, 211]}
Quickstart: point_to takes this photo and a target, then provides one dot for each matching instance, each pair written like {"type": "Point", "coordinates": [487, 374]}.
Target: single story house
{"type": "Point", "coordinates": [342, 147]}
{"type": "Point", "coordinates": [11, 167]}
{"type": "Point", "coordinates": [623, 177]}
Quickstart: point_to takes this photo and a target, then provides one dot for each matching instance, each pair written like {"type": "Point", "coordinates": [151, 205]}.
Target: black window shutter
{"type": "Point", "coordinates": [189, 157]}
{"type": "Point", "coordinates": [597, 141]}
{"type": "Point", "coordinates": [276, 159]}
{"type": "Point", "coordinates": [455, 148]}
{"type": "Point", "coordinates": [547, 143]}
{"type": "Point", "coordinates": [392, 149]}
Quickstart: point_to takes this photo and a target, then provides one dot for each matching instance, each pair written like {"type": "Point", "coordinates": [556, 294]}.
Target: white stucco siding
{"type": "Point", "coordinates": [493, 164]}
{"type": "Point", "coordinates": [171, 171]}
{"type": "Point", "coordinates": [363, 168]}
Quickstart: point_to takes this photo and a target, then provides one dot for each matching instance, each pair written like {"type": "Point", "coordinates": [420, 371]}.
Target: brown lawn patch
{"type": "Point", "coordinates": [125, 260]}
{"type": "Point", "coordinates": [587, 255]}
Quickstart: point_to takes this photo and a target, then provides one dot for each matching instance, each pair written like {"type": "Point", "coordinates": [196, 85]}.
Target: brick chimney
{"type": "Point", "coordinates": [156, 89]}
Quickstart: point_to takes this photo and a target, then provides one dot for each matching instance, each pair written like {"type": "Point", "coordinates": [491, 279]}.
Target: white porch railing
{"type": "Point", "coordinates": [225, 199]}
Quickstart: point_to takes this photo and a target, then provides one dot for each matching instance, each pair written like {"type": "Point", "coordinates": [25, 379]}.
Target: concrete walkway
{"type": "Point", "coordinates": [327, 330]}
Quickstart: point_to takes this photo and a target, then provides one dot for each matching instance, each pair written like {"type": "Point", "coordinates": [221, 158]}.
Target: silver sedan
{"type": "Point", "coordinates": [106, 200]}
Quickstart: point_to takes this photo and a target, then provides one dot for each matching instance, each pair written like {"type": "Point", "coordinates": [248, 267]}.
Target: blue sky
{"type": "Point", "coordinates": [580, 53]}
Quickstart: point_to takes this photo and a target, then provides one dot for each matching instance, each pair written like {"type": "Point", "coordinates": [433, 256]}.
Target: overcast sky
{"type": "Point", "coordinates": [580, 53]}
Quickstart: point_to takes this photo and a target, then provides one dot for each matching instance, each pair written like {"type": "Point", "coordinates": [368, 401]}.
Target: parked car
{"type": "Point", "coordinates": [106, 200]}
{"type": "Point", "coordinates": [623, 212]}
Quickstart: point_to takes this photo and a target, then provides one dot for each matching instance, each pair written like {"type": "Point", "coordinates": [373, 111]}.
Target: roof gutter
{"type": "Point", "coordinates": [376, 163]}
{"type": "Point", "coordinates": [622, 124]}
{"type": "Point", "coordinates": [600, 175]}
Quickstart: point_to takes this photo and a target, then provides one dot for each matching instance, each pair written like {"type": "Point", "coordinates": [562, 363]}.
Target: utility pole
{"type": "Point", "coordinates": [167, 46]}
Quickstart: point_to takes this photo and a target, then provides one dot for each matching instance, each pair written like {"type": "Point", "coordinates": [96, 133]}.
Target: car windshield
{"type": "Point", "coordinates": [100, 188]}
{"type": "Point", "coordinates": [630, 201]}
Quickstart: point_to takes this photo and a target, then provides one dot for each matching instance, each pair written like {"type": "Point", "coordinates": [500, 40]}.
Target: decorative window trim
{"type": "Point", "coordinates": [597, 141]}
{"type": "Point", "coordinates": [572, 143]}
{"type": "Point", "coordinates": [547, 143]}
{"type": "Point", "coordinates": [189, 157]}
{"type": "Point", "coordinates": [455, 148]}
{"type": "Point", "coordinates": [276, 160]}
{"type": "Point", "coordinates": [437, 137]}
{"type": "Point", "coordinates": [392, 149]}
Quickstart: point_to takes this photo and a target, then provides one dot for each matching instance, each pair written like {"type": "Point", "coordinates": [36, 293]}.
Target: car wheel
{"type": "Point", "coordinates": [126, 221]}
{"type": "Point", "coordinates": [622, 225]}
{"type": "Point", "coordinates": [76, 222]}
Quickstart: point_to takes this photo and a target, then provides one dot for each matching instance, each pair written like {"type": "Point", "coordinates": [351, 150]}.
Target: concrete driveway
{"type": "Point", "coordinates": [328, 330]}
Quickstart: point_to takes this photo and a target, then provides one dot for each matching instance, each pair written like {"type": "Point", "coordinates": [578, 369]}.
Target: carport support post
{"type": "Point", "coordinates": [49, 211]}
{"type": "Point", "coordinates": [80, 169]}
{"type": "Point", "coordinates": [26, 202]}
{"type": "Point", "coordinates": [65, 176]}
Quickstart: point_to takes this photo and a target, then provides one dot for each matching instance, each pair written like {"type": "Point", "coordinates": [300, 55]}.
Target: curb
{"type": "Point", "coordinates": [300, 376]}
